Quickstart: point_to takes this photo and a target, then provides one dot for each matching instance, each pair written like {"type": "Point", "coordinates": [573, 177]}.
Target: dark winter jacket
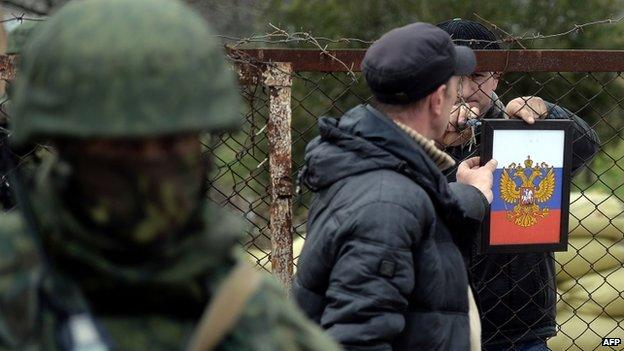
{"type": "Point", "coordinates": [517, 292]}
{"type": "Point", "coordinates": [381, 268]}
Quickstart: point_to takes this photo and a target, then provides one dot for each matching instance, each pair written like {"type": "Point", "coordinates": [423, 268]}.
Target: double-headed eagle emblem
{"type": "Point", "coordinates": [527, 195]}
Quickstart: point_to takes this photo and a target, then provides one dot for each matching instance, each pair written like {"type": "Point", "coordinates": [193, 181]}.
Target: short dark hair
{"type": "Point", "coordinates": [387, 108]}
{"type": "Point", "coordinates": [390, 109]}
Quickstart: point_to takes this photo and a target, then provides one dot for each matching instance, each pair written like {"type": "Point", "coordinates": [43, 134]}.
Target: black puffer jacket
{"type": "Point", "coordinates": [517, 292]}
{"type": "Point", "coordinates": [381, 268]}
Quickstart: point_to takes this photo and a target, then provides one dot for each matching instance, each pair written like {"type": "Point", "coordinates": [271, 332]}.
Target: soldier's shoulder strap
{"type": "Point", "coordinates": [226, 307]}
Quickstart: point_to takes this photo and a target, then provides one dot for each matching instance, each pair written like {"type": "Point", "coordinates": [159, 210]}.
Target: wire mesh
{"type": "Point", "coordinates": [596, 211]}
{"type": "Point", "coordinates": [589, 300]}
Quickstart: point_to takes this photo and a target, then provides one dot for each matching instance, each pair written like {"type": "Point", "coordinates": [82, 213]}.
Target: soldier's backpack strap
{"type": "Point", "coordinates": [226, 307]}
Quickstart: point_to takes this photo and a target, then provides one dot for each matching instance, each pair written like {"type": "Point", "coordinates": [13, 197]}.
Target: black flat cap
{"type": "Point", "coordinates": [408, 63]}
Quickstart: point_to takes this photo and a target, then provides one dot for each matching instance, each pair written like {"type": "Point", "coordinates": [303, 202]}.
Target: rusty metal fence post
{"type": "Point", "coordinates": [278, 80]}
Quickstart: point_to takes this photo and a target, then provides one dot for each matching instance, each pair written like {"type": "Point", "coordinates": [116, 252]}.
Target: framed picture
{"type": "Point", "coordinates": [529, 212]}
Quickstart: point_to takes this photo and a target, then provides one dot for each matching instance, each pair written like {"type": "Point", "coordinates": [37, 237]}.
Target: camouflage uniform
{"type": "Point", "coordinates": [75, 274]}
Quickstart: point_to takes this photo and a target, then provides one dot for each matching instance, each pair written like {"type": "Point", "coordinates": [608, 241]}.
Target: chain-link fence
{"type": "Point", "coordinates": [589, 84]}
{"type": "Point", "coordinates": [285, 91]}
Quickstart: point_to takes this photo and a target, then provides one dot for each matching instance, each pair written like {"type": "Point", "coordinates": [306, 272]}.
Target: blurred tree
{"type": "Point", "coordinates": [371, 18]}
{"type": "Point", "coordinates": [33, 7]}
{"type": "Point", "coordinates": [595, 97]}
{"type": "Point", "coordinates": [232, 17]}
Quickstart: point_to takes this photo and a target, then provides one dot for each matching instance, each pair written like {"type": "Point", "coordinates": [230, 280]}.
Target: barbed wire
{"type": "Point", "coordinates": [277, 36]}
{"type": "Point", "coordinates": [280, 36]}
{"type": "Point", "coordinates": [538, 36]}
{"type": "Point", "coordinates": [21, 18]}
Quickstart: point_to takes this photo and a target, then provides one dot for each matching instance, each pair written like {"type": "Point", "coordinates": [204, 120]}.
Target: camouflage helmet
{"type": "Point", "coordinates": [122, 68]}
{"type": "Point", "coordinates": [19, 35]}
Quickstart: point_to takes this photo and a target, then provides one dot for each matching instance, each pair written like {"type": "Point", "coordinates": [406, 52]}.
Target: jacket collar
{"type": "Point", "coordinates": [441, 159]}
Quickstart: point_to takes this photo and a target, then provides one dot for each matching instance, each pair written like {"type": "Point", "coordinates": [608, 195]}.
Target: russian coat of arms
{"type": "Point", "coordinates": [517, 187]}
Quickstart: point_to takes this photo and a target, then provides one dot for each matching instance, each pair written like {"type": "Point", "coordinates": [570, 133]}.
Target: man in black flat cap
{"type": "Point", "coordinates": [382, 266]}
{"type": "Point", "coordinates": [516, 292]}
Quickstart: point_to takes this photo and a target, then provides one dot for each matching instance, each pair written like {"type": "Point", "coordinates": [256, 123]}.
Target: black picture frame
{"type": "Point", "coordinates": [488, 129]}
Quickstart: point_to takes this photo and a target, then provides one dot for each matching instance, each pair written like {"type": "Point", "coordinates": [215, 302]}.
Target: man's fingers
{"type": "Point", "coordinates": [455, 112]}
{"type": "Point", "coordinates": [491, 165]}
{"type": "Point", "coordinates": [517, 110]}
{"type": "Point", "coordinates": [537, 106]}
{"type": "Point", "coordinates": [527, 115]}
{"type": "Point", "coordinates": [468, 113]}
{"type": "Point", "coordinates": [474, 112]}
{"type": "Point", "coordinates": [527, 108]}
{"type": "Point", "coordinates": [472, 162]}
{"type": "Point", "coordinates": [462, 117]}
{"type": "Point", "coordinates": [512, 108]}
{"type": "Point", "coordinates": [460, 114]}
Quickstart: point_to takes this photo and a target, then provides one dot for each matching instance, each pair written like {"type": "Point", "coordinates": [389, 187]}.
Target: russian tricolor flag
{"type": "Point", "coordinates": [527, 186]}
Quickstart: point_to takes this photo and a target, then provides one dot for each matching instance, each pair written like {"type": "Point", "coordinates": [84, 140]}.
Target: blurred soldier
{"type": "Point", "coordinates": [516, 292]}
{"type": "Point", "coordinates": [114, 246]}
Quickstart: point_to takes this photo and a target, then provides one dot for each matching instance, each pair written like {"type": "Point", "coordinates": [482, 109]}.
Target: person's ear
{"type": "Point", "coordinates": [496, 76]}
{"type": "Point", "coordinates": [436, 99]}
